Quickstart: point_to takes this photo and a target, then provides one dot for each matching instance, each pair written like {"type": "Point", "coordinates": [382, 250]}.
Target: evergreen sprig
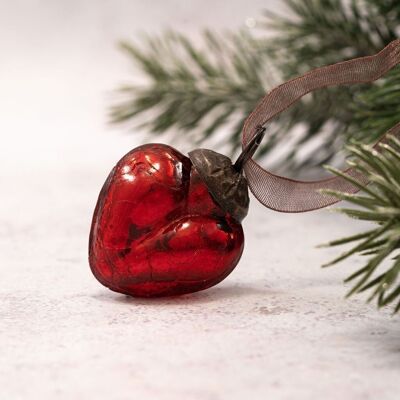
{"type": "Point", "coordinates": [376, 109]}
{"type": "Point", "coordinates": [379, 203]}
{"type": "Point", "coordinates": [199, 89]}
{"type": "Point", "coordinates": [320, 32]}
{"type": "Point", "coordinates": [190, 88]}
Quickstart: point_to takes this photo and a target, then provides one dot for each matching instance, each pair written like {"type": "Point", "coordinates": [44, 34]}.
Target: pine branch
{"type": "Point", "coordinates": [190, 88]}
{"type": "Point", "coordinates": [198, 90]}
{"type": "Point", "coordinates": [320, 32]}
{"type": "Point", "coordinates": [379, 203]}
{"type": "Point", "coordinates": [376, 109]}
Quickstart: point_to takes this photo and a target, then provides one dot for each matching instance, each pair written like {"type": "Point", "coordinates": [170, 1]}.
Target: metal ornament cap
{"type": "Point", "coordinates": [227, 186]}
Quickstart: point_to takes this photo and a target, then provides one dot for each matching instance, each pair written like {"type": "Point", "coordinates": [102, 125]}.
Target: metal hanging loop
{"type": "Point", "coordinates": [250, 148]}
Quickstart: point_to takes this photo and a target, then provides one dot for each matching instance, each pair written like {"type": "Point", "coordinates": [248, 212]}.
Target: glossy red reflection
{"type": "Point", "coordinates": [156, 231]}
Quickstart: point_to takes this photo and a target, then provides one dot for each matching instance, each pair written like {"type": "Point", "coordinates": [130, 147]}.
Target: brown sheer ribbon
{"type": "Point", "coordinates": [289, 195]}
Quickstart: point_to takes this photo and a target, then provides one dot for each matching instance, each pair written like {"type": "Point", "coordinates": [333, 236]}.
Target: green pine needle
{"type": "Point", "coordinates": [381, 204]}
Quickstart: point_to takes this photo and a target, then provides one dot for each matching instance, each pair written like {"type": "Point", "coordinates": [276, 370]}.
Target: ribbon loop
{"type": "Point", "coordinates": [290, 195]}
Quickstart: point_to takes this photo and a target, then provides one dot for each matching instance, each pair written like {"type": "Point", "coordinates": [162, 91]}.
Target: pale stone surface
{"type": "Point", "coordinates": [278, 327]}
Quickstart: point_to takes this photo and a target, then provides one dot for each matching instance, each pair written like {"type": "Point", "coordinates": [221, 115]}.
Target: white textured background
{"type": "Point", "coordinates": [277, 328]}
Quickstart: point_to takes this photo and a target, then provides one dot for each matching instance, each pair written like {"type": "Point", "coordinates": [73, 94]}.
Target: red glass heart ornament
{"type": "Point", "coordinates": [157, 229]}
{"type": "Point", "coordinates": [166, 224]}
